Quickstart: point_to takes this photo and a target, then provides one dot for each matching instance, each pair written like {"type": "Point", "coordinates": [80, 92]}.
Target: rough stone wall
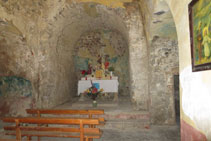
{"type": "Point", "coordinates": [163, 59]}
{"type": "Point", "coordinates": [138, 58]}
{"type": "Point", "coordinates": [163, 65]}
{"type": "Point", "coordinates": [22, 55]}
{"type": "Point", "coordinates": [16, 66]}
{"type": "Point", "coordinates": [15, 95]}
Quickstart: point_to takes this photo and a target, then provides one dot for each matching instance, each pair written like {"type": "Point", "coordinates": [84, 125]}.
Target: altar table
{"type": "Point", "coordinates": [108, 86]}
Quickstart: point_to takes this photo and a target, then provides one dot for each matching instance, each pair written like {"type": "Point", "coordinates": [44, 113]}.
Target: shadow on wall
{"type": "Point", "coordinates": [15, 95]}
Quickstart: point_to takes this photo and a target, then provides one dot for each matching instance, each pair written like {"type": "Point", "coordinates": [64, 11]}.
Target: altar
{"type": "Point", "coordinates": [99, 75]}
{"type": "Point", "coordinates": [108, 86]}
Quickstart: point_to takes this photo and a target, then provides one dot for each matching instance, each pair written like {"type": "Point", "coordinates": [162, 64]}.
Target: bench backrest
{"type": "Point", "coordinates": [90, 113]}
{"type": "Point", "coordinates": [45, 120]}
{"type": "Point", "coordinates": [63, 111]}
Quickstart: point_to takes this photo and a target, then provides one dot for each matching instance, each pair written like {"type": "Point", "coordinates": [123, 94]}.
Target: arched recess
{"type": "Point", "coordinates": [163, 60]}
{"type": "Point", "coordinates": [58, 81]}
{"type": "Point", "coordinates": [60, 39]}
{"type": "Point", "coordinates": [111, 46]}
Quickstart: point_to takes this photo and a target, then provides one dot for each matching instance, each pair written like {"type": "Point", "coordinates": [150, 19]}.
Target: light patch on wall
{"type": "Point", "coordinates": [196, 96]}
{"type": "Point", "coordinates": [109, 3]}
{"type": "Point", "coordinates": [90, 9]}
{"type": "Point", "coordinates": [6, 25]}
{"type": "Point", "coordinates": [162, 22]}
{"type": "Point", "coordinates": [84, 52]}
{"type": "Point", "coordinates": [109, 49]}
{"type": "Point", "coordinates": [206, 79]}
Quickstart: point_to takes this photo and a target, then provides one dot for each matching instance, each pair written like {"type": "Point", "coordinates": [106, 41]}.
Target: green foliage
{"type": "Point", "coordinates": [93, 92]}
{"type": "Point", "coordinates": [111, 69]}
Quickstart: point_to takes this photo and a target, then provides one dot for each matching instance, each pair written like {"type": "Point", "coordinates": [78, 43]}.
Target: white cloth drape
{"type": "Point", "coordinates": [110, 86]}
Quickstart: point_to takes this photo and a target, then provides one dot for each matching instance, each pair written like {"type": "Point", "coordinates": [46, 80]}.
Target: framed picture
{"type": "Point", "coordinates": [200, 34]}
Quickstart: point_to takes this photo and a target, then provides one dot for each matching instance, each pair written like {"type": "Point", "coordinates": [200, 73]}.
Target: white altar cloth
{"type": "Point", "coordinates": [109, 86]}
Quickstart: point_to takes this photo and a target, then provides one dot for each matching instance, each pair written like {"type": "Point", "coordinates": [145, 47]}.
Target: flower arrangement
{"type": "Point", "coordinates": [93, 92]}
{"type": "Point", "coordinates": [111, 69]}
{"type": "Point", "coordinates": [84, 72]}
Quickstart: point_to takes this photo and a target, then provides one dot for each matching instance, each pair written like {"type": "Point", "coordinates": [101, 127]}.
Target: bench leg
{"type": "Point", "coordinates": [29, 138]}
{"type": "Point", "coordinates": [18, 135]}
{"type": "Point", "coordinates": [89, 139]}
{"type": "Point", "coordinates": [18, 131]}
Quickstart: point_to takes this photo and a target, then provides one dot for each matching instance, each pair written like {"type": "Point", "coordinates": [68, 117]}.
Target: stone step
{"type": "Point", "coordinates": [127, 120]}
{"type": "Point", "coordinates": [118, 115]}
{"type": "Point", "coordinates": [126, 124]}
{"type": "Point", "coordinates": [126, 115]}
{"type": "Point", "coordinates": [89, 104]}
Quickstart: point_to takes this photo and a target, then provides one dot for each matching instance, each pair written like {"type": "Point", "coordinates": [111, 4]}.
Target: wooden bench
{"type": "Point", "coordinates": [90, 113]}
{"type": "Point", "coordinates": [82, 131]}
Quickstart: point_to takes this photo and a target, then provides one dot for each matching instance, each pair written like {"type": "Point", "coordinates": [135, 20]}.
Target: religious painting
{"type": "Point", "coordinates": [200, 34]}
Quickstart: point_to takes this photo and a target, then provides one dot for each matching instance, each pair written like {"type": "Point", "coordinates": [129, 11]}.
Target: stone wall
{"type": "Point", "coordinates": [163, 59]}
{"type": "Point", "coordinates": [15, 95]}
{"type": "Point", "coordinates": [138, 58]}
{"type": "Point", "coordinates": [15, 72]}
{"type": "Point", "coordinates": [163, 65]}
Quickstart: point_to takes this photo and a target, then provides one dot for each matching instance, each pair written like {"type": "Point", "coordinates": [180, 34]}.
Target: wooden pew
{"type": "Point", "coordinates": [89, 113]}
{"type": "Point", "coordinates": [81, 131]}
{"type": "Point", "coordinates": [72, 112]}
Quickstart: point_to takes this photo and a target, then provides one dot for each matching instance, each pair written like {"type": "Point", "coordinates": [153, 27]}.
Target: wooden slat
{"type": "Point", "coordinates": [52, 120]}
{"type": "Point", "coordinates": [8, 140]}
{"type": "Point", "coordinates": [55, 129]}
{"type": "Point", "coordinates": [62, 111]}
{"type": "Point", "coordinates": [50, 134]}
{"type": "Point", "coordinates": [67, 112]}
{"type": "Point", "coordinates": [101, 119]}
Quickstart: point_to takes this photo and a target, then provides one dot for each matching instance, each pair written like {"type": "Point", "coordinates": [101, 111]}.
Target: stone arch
{"type": "Point", "coordinates": [61, 35]}
{"type": "Point", "coordinates": [68, 24]}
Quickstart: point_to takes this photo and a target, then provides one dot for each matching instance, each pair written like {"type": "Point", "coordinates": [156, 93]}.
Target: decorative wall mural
{"type": "Point", "coordinates": [200, 30]}
{"type": "Point", "coordinates": [13, 86]}
{"type": "Point", "coordinates": [103, 47]}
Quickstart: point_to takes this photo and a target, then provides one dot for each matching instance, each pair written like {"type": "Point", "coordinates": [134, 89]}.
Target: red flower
{"type": "Point", "coordinates": [94, 90]}
{"type": "Point", "coordinates": [83, 72]}
{"type": "Point", "coordinates": [106, 65]}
